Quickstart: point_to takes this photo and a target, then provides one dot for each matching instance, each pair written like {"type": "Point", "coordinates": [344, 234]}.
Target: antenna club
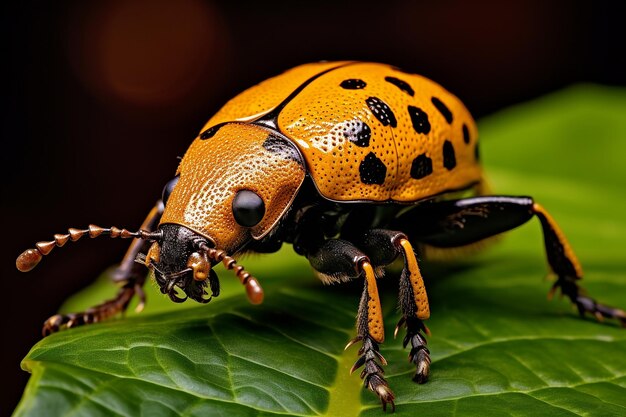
{"type": "Point", "coordinates": [28, 260]}
{"type": "Point", "coordinates": [254, 291]}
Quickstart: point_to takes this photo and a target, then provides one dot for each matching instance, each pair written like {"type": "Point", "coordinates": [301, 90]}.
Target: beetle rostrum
{"type": "Point", "coordinates": [169, 258]}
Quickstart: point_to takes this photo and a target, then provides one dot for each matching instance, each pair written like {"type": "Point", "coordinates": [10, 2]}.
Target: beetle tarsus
{"type": "Point", "coordinates": [95, 314]}
{"type": "Point", "coordinates": [600, 311]}
{"type": "Point", "coordinates": [586, 304]}
{"type": "Point", "coordinates": [419, 354]}
{"type": "Point", "coordinates": [372, 373]}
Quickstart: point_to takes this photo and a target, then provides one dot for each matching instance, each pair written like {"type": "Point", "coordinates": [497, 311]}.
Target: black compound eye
{"type": "Point", "coordinates": [248, 208]}
{"type": "Point", "coordinates": [169, 187]}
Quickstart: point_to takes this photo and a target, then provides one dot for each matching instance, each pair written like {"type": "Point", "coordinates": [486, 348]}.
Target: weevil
{"type": "Point", "coordinates": [354, 164]}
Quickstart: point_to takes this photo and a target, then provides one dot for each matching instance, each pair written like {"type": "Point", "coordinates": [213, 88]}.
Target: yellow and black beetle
{"type": "Point", "coordinates": [352, 163]}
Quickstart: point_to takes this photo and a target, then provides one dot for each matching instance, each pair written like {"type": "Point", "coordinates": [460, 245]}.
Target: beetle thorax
{"type": "Point", "coordinates": [237, 157]}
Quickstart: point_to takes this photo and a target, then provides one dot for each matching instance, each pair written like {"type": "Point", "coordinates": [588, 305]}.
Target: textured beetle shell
{"type": "Point", "coordinates": [368, 131]}
{"type": "Point", "coordinates": [212, 172]}
{"type": "Point", "coordinates": [265, 96]}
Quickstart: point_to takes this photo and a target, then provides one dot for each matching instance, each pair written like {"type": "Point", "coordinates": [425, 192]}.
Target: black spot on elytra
{"type": "Point", "coordinates": [210, 132]}
{"type": "Point", "coordinates": [419, 118]}
{"type": "Point", "coordinates": [449, 158]}
{"type": "Point", "coordinates": [372, 170]}
{"type": "Point", "coordinates": [466, 136]}
{"type": "Point", "coordinates": [421, 167]}
{"type": "Point", "coordinates": [381, 110]}
{"type": "Point", "coordinates": [357, 132]}
{"type": "Point", "coordinates": [443, 109]}
{"type": "Point", "coordinates": [353, 84]}
{"type": "Point", "coordinates": [402, 85]}
{"type": "Point", "coordinates": [282, 147]}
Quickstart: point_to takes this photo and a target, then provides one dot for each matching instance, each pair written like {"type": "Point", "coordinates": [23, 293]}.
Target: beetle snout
{"type": "Point", "coordinates": [177, 247]}
{"type": "Point", "coordinates": [178, 262]}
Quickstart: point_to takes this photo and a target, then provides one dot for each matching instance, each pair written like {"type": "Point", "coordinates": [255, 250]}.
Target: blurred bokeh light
{"type": "Point", "coordinates": [146, 52]}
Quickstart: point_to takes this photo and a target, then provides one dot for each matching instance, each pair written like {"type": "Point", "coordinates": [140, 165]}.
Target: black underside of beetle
{"type": "Point", "coordinates": [437, 221]}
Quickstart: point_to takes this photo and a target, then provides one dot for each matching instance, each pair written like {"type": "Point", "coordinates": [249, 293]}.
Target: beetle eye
{"type": "Point", "coordinates": [169, 187]}
{"type": "Point", "coordinates": [248, 208]}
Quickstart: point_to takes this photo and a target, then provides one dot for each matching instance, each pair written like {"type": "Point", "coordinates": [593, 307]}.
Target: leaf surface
{"type": "Point", "coordinates": [498, 346]}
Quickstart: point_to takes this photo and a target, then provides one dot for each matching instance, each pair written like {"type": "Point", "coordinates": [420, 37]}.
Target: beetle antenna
{"type": "Point", "coordinates": [253, 287]}
{"type": "Point", "coordinates": [31, 257]}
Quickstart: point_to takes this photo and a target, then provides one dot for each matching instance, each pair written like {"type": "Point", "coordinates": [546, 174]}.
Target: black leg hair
{"type": "Point", "coordinates": [338, 260]}
{"type": "Point", "coordinates": [385, 246]}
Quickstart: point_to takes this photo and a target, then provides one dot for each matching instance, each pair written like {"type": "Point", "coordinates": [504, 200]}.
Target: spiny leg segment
{"type": "Point", "coordinates": [415, 308]}
{"type": "Point", "coordinates": [566, 267]}
{"type": "Point", "coordinates": [384, 246]}
{"type": "Point", "coordinates": [338, 260]}
{"type": "Point", "coordinates": [370, 330]}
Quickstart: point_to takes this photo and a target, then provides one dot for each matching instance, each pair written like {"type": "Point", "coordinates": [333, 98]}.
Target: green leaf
{"type": "Point", "coordinates": [498, 346]}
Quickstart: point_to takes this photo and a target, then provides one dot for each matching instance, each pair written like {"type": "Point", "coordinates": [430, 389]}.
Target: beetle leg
{"type": "Point", "coordinates": [565, 265]}
{"type": "Point", "coordinates": [371, 331]}
{"type": "Point", "coordinates": [415, 308]}
{"type": "Point", "coordinates": [384, 246]}
{"type": "Point", "coordinates": [92, 315]}
{"type": "Point", "coordinates": [338, 260]}
{"type": "Point", "coordinates": [453, 224]}
{"type": "Point", "coordinates": [130, 274]}
{"type": "Point", "coordinates": [130, 270]}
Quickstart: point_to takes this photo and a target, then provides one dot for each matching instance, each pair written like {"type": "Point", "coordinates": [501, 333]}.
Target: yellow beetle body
{"type": "Point", "coordinates": [368, 132]}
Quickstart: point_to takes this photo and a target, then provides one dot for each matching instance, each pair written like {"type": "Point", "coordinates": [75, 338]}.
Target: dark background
{"type": "Point", "coordinates": [99, 99]}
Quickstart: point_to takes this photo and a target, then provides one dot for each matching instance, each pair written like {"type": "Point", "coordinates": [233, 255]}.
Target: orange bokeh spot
{"type": "Point", "coordinates": [144, 51]}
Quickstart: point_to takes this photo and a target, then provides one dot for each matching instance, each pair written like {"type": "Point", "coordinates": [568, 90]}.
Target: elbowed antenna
{"type": "Point", "coordinates": [31, 257]}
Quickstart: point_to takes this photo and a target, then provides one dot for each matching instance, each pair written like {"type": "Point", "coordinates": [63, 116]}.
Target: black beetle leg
{"type": "Point", "coordinates": [384, 246]}
{"type": "Point", "coordinates": [371, 332]}
{"type": "Point", "coordinates": [414, 305]}
{"type": "Point", "coordinates": [454, 224]}
{"type": "Point", "coordinates": [565, 265]}
{"type": "Point", "coordinates": [131, 274]}
{"type": "Point", "coordinates": [338, 260]}
{"type": "Point", "coordinates": [92, 315]}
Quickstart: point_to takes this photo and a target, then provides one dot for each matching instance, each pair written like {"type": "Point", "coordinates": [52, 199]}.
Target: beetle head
{"type": "Point", "coordinates": [231, 188]}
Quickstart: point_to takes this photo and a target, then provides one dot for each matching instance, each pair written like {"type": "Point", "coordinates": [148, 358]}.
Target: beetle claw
{"type": "Point", "coordinates": [175, 297]}
{"type": "Point", "coordinates": [384, 393]}
{"type": "Point", "coordinates": [214, 283]}
{"type": "Point", "coordinates": [352, 342]}
{"type": "Point", "coordinates": [599, 311]}
{"type": "Point", "coordinates": [398, 326]}
{"type": "Point", "coordinates": [419, 354]}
